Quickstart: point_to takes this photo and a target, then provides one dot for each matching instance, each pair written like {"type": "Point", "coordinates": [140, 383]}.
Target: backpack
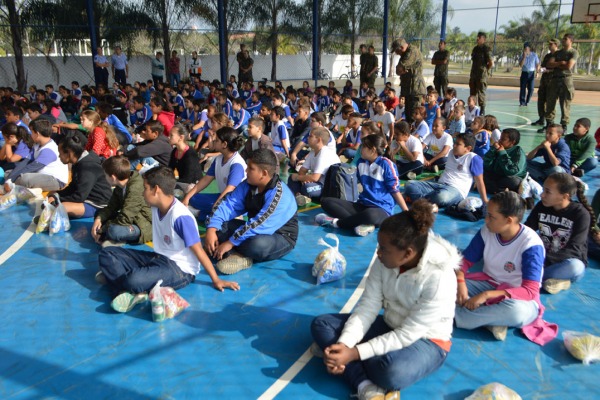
{"type": "Point", "coordinates": [341, 181]}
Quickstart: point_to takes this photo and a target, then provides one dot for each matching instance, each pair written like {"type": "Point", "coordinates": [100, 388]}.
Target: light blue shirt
{"type": "Point", "coordinates": [531, 61]}
{"type": "Point", "coordinates": [119, 61]}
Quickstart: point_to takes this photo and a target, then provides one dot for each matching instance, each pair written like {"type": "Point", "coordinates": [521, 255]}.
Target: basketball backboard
{"type": "Point", "coordinates": [585, 11]}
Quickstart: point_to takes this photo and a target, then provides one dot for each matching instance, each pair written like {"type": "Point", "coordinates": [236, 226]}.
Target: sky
{"type": "Point", "coordinates": [476, 20]}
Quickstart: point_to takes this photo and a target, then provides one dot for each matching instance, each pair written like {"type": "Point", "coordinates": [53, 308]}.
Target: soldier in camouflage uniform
{"type": "Point", "coordinates": [544, 82]}
{"type": "Point", "coordinates": [482, 63]}
{"type": "Point", "coordinates": [440, 74]}
{"type": "Point", "coordinates": [561, 86]}
{"type": "Point", "coordinates": [371, 66]}
{"type": "Point", "coordinates": [410, 69]}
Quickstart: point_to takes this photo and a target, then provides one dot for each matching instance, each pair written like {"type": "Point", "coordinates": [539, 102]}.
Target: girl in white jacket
{"type": "Point", "coordinates": [413, 280]}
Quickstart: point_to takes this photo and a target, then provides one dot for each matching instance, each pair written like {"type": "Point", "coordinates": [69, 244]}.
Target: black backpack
{"type": "Point", "coordinates": [341, 181]}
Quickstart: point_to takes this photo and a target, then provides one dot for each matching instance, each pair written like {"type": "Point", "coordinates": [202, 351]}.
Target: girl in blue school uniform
{"type": "Point", "coordinates": [381, 192]}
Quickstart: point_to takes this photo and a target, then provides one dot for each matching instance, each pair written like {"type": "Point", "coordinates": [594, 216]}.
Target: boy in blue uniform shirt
{"type": "Point", "coordinates": [272, 227]}
{"type": "Point", "coordinates": [177, 254]}
{"type": "Point", "coordinates": [240, 116]}
{"type": "Point", "coordinates": [556, 154]}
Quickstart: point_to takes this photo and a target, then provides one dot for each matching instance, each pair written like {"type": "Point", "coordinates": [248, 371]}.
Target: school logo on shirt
{"type": "Point", "coordinates": [460, 167]}
{"type": "Point", "coordinates": [167, 239]}
{"type": "Point", "coordinates": [509, 267]}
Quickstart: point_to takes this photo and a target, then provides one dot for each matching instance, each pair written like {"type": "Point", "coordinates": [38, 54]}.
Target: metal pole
{"type": "Point", "coordinates": [386, 12]}
{"type": "Point", "coordinates": [222, 55]}
{"type": "Point", "coordinates": [496, 26]}
{"type": "Point", "coordinates": [558, 17]}
{"type": "Point", "coordinates": [444, 16]}
{"type": "Point", "coordinates": [93, 40]}
{"type": "Point", "coordinates": [315, 43]}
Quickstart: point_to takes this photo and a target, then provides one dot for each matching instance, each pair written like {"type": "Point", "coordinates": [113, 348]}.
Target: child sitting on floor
{"type": "Point", "coordinates": [437, 146]}
{"type": "Point", "coordinates": [152, 151]}
{"type": "Point", "coordinates": [381, 192]}
{"type": "Point", "coordinates": [413, 278]}
{"type": "Point", "coordinates": [307, 184]}
{"type": "Point", "coordinates": [407, 151]}
{"type": "Point", "coordinates": [582, 145]}
{"type": "Point", "coordinates": [256, 138]}
{"type": "Point", "coordinates": [228, 168]}
{"type": "Point", "coordinates": [271, 230]}
{"type": "Point", "coordinates": [88, 190]}
{"type": "Point", "coordinates": [126, 218]}
{"type": "Point", "coordinates": [184, 159]}
{"type": "Point", "coordinates": [555, 152]}
{"type": "Point", "coordinates": [177, 254]}
{"type": "Point", "coordinates": [463, 166]}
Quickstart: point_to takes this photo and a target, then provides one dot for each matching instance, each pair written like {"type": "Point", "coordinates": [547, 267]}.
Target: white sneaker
{"type": "Point", "coordinates": [499, 332]}
{"type": "Point", "coordinates": [411, 176]}
{"type": "Point", "coordinates": [371, 392]}
{"type": "Point", "coordinates": [554, 286]}
{"type": "Point", "coordinates": [364, 230]}
{"type": "Point", "coordinates": [108, 243]}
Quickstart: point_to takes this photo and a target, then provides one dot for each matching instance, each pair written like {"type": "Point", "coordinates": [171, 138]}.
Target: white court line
{"type": "Point", "coordinates": [21, 240]}
{"type": "Point", "coordinates": [518, 116]}
{"type": "Point", "coordinates": [288, 375]}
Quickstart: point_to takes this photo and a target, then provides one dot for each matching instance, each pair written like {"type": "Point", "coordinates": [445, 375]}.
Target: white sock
{"type": "Point", "coordinates": [363, 384]}
{"type": "Point", "coordinates": [334, 222]}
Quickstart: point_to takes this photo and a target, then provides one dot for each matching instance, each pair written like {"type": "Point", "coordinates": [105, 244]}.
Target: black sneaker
{"type": "Point", "coordinates": [578, 172]}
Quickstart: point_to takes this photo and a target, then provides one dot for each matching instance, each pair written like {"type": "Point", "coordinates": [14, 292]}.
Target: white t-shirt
{"type": "Point", "coordinates": [384, 122]}
{"type": "Point", "coordinates": [320, 163]}
{"type": "Point", "coordinates": [436, 145]}
{"type": "Point", "coordinates": [340, 122]}
{"type": "Point", "coordinates": [413, 145]}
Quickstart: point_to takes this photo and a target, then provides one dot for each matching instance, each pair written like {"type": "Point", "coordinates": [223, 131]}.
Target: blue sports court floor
{"type": "Point", "coordinates": [61, 340]}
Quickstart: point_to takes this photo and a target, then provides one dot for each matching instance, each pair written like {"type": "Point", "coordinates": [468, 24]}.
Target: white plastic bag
{"type": "Point", "coordinates": [494, 391]}
{"type": "Point", "coordinates": [60, 219]}
{"type": "Point", "coordinates": [158, 303]}
{"type": "Point", "coordinates": [582, 346]}
{"type": "Point", "coordinates": [470, 204]}
{"type": "Point", "coordinates": [330, 264]}
{"type": "Point", "coordinates": [8, 200]}
{"type": "Point", "coordinates": [45, 217]}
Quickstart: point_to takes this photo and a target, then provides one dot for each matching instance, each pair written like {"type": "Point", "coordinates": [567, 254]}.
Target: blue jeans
{"type": "Point", "coordinates": [571, 268]}
{"type": "Point", "coordinates": [395, 370]}
{"type": "Point", "coordinates": [137, 271]}
{"type": "Point", "coordinates": [310, 189]}
{"type": "Point", "coordinates": [123, 233]}
{"type": "Point", "coordinates": [539, 171]}
{"type": "Point", "coordinates": [509, 312]}
{"type": "Point", "coordinates": [441, 162]}
{"type": "Point", "coordinates": [527, 80]}
{"type": "Point", "coordinates": [146, 162]}
{"type": "Point", "coordinates": [437, 193]}
{"type": "Point", "coordinates": [593, 248]}
{"type": "Point", "coordinates": [174, 79]}
{"type": "Point", "coordinates": [589, 164]}
{"type": "Point", "coordinates": [204, 203]}
{"type": "Point", "coordinates": [349, 154]}
{"type": "Point", "coordinates": [260, 247]}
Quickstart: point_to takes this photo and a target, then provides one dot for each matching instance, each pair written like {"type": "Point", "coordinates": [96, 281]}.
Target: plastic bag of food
{"type": "Point", "coordinates": [470, 204]}
{"type": "Point", "coordinates": [494, 391]}
{"type": "Point", "coordinates": [23, 194]}
{"type": "Point", "coordinates": [173, 302]}
{"type": "Point", "coordinates": [60, 219]}
{"type": "Point", "coordinates": [8, 200]}
{"type": "Point", "coordinates": [45, 217]}
{"type": "Point", "coordinates": [158, 304]}
{"type": "Point", "coordinates": [330, 264]}
{"type": "Point", "coordinates": [582, 346]}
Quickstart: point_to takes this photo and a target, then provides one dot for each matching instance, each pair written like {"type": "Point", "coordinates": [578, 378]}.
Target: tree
{"type": "Point", "coordinates": [12, 13]}
{"type": "Point", "coordinates": [236, 16]}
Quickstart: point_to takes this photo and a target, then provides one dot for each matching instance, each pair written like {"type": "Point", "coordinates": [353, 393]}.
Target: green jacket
{"type": "Point", "coordinates": [581, 148]}
{"type": "Point", "coordinates": [510, 162]}
{"type": "Point", "coordinates": [412, 61]}
{"type": "Point", "coordinates": [129, 208]}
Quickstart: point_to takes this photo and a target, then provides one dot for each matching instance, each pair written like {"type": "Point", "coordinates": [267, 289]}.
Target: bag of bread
{"type": "Point", "coordinates": [330, 264]}
{"type": "Point", "coordinates": [582, 346]}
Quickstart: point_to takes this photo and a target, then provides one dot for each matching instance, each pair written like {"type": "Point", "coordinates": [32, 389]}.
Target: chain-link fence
{"type": "Point", "coordinates": [276, 56]}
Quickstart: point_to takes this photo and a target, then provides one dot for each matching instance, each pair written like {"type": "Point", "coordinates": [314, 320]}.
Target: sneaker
{"type": "Point", "coordinates": [100, 278]}
{"type": "Point", "coordinates": [371, 392]}
{"type": "Point", "coordinates": [411, 176]}
{"type": "Point", "coordinates": [126, 301]}
{"type": "Point", "coordinates": [108, 243]}
{"type": "Point", "coordinates": [233, 263]}
{"type": "Point", "coordinates": [302, 200]}
{"type": "Point", "coordinates": [316, 351]}
{"type": "Point", "coordinates": [324, 219]}
{"type": "Point", "coordinates": [578, 172]}
{"type": "Point", "coordinates": [436, 169]}
{"type": "Point", "coordinates": [554, 286]}
{"type": "Point", "coordinates": [499, 332]}
{"type": "Point", "coordinates": [364, 230]}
